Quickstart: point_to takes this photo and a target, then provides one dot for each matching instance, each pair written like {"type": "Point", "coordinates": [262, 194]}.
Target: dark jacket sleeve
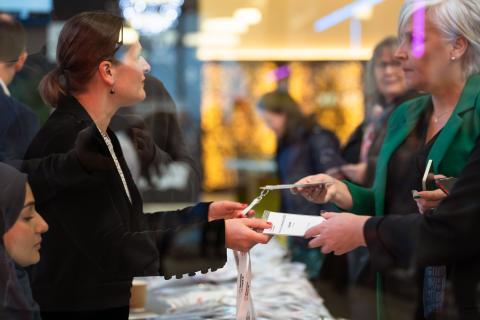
{"type": "Point", "coordinates": [447, 236]}
{"type": "Point", "coordinates": [325, 150]}
{"type": "Point", "coordinates": [81, 204]}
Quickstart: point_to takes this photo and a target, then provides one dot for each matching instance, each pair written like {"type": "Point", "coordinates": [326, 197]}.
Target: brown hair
{"type": "Point", "coordinates": [12, 39]}
{"type": "Point", "coordinates": [370, 86]}
{"type": "Point", "coordinates": [281, 102]}
{"type": "Point", "coordinates": [86, 39]}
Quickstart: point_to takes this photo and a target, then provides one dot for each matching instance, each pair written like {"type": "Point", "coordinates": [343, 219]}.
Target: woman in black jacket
{"type": "Point", "coordinates": [99, 236]}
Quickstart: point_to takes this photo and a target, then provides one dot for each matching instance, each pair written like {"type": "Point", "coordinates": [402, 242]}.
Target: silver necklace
{"type": "Point", "coordinates": [109, 144]}
{"type": "Point", "coordinates": [437, 118]}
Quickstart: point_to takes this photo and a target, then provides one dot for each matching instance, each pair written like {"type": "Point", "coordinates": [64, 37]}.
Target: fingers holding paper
{"type": "Point", "coordinates": [241, 234]}
{"type": "Point", "coordinates": [427, 200]}
{"type": "Point", "coordinates": [319, 194]}
{"type": "Point", "coordinates": [340, 233]}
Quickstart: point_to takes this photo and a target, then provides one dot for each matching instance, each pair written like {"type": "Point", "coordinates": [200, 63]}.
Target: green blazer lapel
{"type": "Point", "coordinates": [449, 131]}
{"type": "Point", "coordinates": [398, 132]}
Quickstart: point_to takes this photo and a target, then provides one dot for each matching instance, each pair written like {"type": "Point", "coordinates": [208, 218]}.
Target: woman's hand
{"type": "Point", "coordinates": [241, 234]}
{"type": "Point", "coordinates": [227, 210]}
{"type": "Point", "coordinates": [355, 172]}
{"type": "Point", "coordinates": [340, 233]}
{"type": "Point", "coordinates": [331, 190]}
{"type": "Point", "coordinates": [427, 200]}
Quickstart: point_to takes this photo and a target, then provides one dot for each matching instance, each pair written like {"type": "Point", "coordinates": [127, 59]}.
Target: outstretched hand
{"type": "Point", "coordinates": [340, 233]}
{"type": "Point", "coordinates": [243, 234]}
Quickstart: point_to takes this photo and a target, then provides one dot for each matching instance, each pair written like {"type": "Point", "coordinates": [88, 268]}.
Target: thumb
{"type": "Point", "coordinates": [434, 195]}
{"type": "Point", "coordinates": [257, 223]}
{"type": "Point", "coordinates": [231, 205]}
{"type": "Point", "coordinates": [328, 215]}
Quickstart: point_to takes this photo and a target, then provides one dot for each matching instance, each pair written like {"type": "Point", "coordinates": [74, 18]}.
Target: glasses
{"type": "Point", "coordinates": [384, 65]}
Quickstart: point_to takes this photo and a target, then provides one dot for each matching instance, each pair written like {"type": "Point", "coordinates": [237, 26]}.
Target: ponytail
{"type": "Point", "coordinates": [53, 87]}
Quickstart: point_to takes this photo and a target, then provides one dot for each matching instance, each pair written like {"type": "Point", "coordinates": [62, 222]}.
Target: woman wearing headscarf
{"type": "Point", "coordinates": [21, 228]}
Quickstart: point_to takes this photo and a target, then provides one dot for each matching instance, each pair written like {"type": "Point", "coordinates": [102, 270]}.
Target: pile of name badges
{"type": "Point", "coordinates": [280, 290]}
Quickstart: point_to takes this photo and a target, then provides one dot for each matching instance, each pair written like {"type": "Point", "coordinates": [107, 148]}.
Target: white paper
{"type": "Point", "coordinates": [290, 224]}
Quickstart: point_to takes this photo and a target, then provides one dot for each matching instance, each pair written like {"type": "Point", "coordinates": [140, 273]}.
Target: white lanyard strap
{"type": "Point", "coordinates": [245, 309]}
{"type": "Point", "coordinates": [109, 144]}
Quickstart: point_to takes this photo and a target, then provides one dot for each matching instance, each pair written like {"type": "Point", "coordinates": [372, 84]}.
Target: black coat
{"type": "Point", "coordinates": [97, 239]}
{"type": "Point", "coordinates": [449, 236]}
{"type": "Point", "coordinates": [18, 126]}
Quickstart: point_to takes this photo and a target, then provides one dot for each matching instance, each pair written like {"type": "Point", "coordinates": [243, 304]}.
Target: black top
{"type": "Point", "coordinates": [309, 151]}
{"type": "Point", "coordinates": [406, 168]}
{"type": "Point", "coordinates": [97, 239]}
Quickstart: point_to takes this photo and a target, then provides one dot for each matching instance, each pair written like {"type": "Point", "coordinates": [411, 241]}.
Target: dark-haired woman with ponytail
{"type": "Point", "coordinates": [99, 237]}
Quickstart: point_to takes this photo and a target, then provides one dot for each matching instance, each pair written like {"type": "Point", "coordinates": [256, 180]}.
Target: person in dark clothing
{"type": "Point", "coordinates": [18, 124]}
{"type": "Point", "coordinates": [385, 88]}
{"type": "Point", "coordinates": [21, 229]}
{"type": "Point", "coordinates": [99, 237]}
{"type": "Point", "coordinates": [303, 148]}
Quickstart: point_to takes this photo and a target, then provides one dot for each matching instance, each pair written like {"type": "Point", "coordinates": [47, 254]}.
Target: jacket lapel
{"type": "Point", "coordinates": [446, 137]}
{"type": "Point", "coordinates": [399, 131]}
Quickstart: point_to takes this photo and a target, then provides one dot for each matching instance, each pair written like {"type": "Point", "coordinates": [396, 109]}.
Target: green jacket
{"type": "Point", "coordinates": [449, 152]}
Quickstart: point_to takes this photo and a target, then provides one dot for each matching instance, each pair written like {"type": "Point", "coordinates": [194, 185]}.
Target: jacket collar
{"type": "Point", "coordinates": [4, 88]}
{"type": "Point", "coordinates": [466, 102]}
{"type": "Point", "coordinates": [68, 104]}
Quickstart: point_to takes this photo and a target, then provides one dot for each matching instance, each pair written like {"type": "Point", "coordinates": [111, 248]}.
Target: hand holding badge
{"type": "Point", "coordinates": [282, 224]}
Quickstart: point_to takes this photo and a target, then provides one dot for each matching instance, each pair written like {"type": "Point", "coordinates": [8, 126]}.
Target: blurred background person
{"type": "Point", "coordinates": [18, 123]}
{"type": "Point", "coordinates": [303, 148]}
{"type": "Point", "coordinates": [153, 128]}
{"type": "Point", "coordinates": [441, 126]}
{"type": "Point", "coordinates": [21, 230]}
{"type": "Point", "coordinates": [385, 88]}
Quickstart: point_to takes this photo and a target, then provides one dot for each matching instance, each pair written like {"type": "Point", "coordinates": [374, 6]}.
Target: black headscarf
{"type": "Point", "coordinates": [16, 300]}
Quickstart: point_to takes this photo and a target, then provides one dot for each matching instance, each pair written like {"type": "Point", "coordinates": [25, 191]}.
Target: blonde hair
{"type": "Point", "coordinates": [454, 18]}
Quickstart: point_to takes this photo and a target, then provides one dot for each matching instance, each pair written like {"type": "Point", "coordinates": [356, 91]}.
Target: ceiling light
{"type": "Point", "coordinates": [248, 16]}
{"type": "Point", "coordinates": [223, 25]}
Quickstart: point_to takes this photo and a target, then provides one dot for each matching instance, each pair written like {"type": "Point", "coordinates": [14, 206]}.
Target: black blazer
{"type": "Point", "coordinates": [18, 126]}
{"type": "Point", "coordinates": [449, 236]}
{"type": "Point", "coordinates": [97, 239]}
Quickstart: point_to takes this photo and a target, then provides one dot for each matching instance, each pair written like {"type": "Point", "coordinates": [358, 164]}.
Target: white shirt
{"type": "Point", "coordinates": [4, 87]}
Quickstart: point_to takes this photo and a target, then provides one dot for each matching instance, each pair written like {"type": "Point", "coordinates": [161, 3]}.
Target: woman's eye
{"type": "Point", "coordinates": [27, 219]}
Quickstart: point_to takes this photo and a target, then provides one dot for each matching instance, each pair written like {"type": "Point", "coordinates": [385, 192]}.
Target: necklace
{"type": "Point", "coordinates": [440, 116]}
{"type": "Point", "coordinates": [109, 144]}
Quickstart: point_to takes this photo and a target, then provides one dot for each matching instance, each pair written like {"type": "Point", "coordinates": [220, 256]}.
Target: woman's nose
{"type": "Point", "coordinates": [145, 66]}
{"type": "Point", "coordinates": [42, 225]}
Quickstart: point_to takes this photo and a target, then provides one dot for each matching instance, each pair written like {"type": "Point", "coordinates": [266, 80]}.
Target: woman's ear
{"type": "Point", "coordinates": [107, 73]}
{"type": "Point", "coordinates": [459, 47]}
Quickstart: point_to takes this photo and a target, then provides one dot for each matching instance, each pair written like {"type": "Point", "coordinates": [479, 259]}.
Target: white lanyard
{"type": "Point", "coordinates": [109, 144]}
{"type": "Point", "coordinates": [245, 309]}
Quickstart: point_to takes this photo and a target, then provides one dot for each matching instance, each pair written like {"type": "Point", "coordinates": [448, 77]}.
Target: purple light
{"type": "Point", "coordinates": [279, 73]}
{"type": "Point", "coordinates": [418, 36]}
